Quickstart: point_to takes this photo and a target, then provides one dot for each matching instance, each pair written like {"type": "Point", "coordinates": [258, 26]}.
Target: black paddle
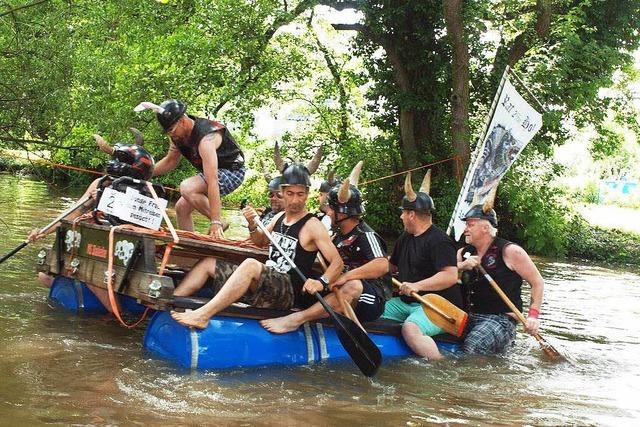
{"type": "Point", "coordinates": [51, 224]}
{"type": "Point", "coordinates": [355, 341]}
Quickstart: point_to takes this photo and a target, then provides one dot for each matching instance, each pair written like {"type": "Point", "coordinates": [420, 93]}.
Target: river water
{"type": "Point", "coordinates": [59, 368]}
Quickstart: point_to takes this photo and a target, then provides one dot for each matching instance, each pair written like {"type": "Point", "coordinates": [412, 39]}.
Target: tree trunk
{"type": "Point", "coordinates": [460, 134]}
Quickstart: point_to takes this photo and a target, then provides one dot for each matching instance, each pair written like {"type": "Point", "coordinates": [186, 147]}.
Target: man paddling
{"type": "Point", "coordinates": [425, 258]}
{"type": "Point", "coordinates": [492, 325]}
{"type": "Point", "coordinates": [210, 148]}
{"type": "Point", "coordinates": [275, 284]}
{"type": "Point", "coordinates": [366, 284]}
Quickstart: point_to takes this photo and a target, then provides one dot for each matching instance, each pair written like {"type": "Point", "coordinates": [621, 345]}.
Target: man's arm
{"type": "Point", "coordinates": [519, 261]}
{"type": "Point", "coordinates": [207, 150]}
{"type": "Point", "coordinates": [443, 279]}
{"type": "Point", "coordinates": [168, 162]}
{"type": "Point", "coordinates": [318, 236]}
{"type": "Point", "coordinates": [374, 269]}
{"type": "Point", "coordinates": [255, 233]}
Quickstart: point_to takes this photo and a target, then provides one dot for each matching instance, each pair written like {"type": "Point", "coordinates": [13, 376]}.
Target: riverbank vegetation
{"type": "Point", "coordinates": [399, 85]}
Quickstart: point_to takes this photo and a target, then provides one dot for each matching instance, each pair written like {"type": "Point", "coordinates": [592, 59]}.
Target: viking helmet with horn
{"type": "Point", "coordinates": [128, 159]}
{"type": "Point", "coordinates": [420, 201]}
{"type": "Point", "coordinates": [167, 113]}
{"type": "Point", "coordinates": [346, 197]}
{"type": "Point", "coordinates": [484, 210]}
{"type": "Point", "coordinates": [329, 183]}
{"type": "Point", "coordinates": [296, 173]}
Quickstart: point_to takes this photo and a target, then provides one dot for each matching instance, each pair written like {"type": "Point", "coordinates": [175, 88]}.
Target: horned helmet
{"type": "Point", "coordinates": [296, 173]}
{"type": "Point", "coordinates": [484, 210]}
{"type": "Point", "coordinates": [128, 159]}
{"type": "Point", "coordinates": [346, 198]}
{"type": "Point", "coordinates": [167, 113]}
{"type": "Point", "coordinates": [273, 183]}
{"type": "Point", "coordinates": [420, 201]}
{"type": "Point", "coordinates": [330, 182]}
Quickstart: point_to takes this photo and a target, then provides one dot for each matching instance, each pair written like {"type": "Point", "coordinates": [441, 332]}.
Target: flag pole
{"type": "Point", "coordinates": [476, 154]}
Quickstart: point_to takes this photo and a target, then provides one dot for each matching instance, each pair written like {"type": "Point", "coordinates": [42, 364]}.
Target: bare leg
{"type": "Point", "coordinates": [280, 325]}
{"type": "Point", "coordinates": [422, 345]}
{"type": "Point", "coordinates": [45, 280]}
{"type": "Point", "coordinates": [196, 278]}
{"type": "Point", "coordinates": [183, 214]}
{"type": "Point", "coordinates": [102, 295]}
{"type": "Point", "coordinates": [246, 276]}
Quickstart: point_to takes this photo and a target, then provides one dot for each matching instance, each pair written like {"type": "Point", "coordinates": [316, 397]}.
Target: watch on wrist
{"type": "Point", "coordinates": [325, 283]}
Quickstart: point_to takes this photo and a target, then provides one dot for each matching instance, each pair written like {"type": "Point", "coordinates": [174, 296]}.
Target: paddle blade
{"type": "Point", "coordinates": [362, 350]}
{"type": "Point", "coordinates": [442, 305]}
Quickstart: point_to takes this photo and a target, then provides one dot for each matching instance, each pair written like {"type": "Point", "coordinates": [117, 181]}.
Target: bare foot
{"type": "Point", "coordinates": [190, 318]}
{"type": "Point", "coordinates": [280, 325]}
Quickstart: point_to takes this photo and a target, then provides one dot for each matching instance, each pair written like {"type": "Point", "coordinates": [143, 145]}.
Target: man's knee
{"type": "Point", "coordinates": [208, 264]}
{"type": "Point", "coordinates": [250, 267]}
{"type": "Point", "coordinates": [183, 206]}
{"type": "Point", "coordinates": [410, 330]}
{"type": "Point", "coordinates": [352, 289]}
{"type": "Point", "coordinates": [188, 189]}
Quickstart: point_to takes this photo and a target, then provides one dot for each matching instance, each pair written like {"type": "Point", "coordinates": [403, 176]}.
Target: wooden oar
{"type": "Point", "coordinates": [47, 227]}
{"type": "Point", "coordinates": [355, 341]}
{"type": "Point", "coordinates": [441, 312]}
{"type": "Point", "coordinates": [546, 347]}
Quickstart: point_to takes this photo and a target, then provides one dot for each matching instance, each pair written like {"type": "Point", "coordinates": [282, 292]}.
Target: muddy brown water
{"type": "Point", "coordinates": [63, 369]}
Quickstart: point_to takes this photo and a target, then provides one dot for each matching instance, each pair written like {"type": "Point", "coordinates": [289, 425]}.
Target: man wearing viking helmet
{"type": "Point", "coordinates": [366, 283]}
{"type": "Point", "coordinates": [275, 199]}
{"type": "Point", "coordinates": [274, 284]}
{"type": "Point", "coordinates": [491, 327]}
{"type": "Point", "coordinates": [323, 194]}
{"type": "Point", "coordinates": [210, 148]}
{"type": "Point", "coordinates": [425, 258]}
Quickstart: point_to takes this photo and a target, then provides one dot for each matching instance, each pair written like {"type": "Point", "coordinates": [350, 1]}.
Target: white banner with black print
{"type": "Point", "coordinates": [513, 125]}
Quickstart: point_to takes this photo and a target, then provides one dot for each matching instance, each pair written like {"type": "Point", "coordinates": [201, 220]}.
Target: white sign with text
{"type": "Point", "coordinates": [132, 207]}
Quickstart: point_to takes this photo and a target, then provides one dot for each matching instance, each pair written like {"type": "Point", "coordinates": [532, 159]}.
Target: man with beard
{"type": "Point", "coordinates": [366, 284]}
{"type": "Point", "coordinates": [276, 284]}
{"type": "Point", "coordinates": [426, 261]}
{"type": "Point", "coordinates": [491, 326]}
{"type": "Point", "coordinates": [275, 200]}
{"type": "Point", "coordinates": [210, 148]}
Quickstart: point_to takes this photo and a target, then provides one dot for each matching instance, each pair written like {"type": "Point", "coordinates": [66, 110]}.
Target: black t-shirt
{"type": "Point", "coordinates": [360, 246]}
{"type": "Point", "coordinates": [420, 257]}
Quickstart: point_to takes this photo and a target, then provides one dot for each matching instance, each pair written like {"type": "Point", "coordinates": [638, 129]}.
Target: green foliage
{"type": "Point", "coordinates": [595, 243]}
{"type": "Point", "coordinates": [591, 192]}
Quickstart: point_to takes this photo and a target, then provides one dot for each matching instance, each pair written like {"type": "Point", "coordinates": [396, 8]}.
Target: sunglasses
{"type": "Point", "coordinates": [275, 194]}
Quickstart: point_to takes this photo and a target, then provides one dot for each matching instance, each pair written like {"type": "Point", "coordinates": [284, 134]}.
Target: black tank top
{"type": "Point", "coordinates": [481, 296]}
{"type": "Point", "coordinates": [229, 154]}
{"type": "Point", "coordinates": [287, 237]}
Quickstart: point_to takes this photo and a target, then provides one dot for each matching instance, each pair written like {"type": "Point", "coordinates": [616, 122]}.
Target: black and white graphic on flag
{"type": "Point", "coordinates": [276, 260]}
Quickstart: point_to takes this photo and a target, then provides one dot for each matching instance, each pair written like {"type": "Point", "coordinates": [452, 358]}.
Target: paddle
{"type": "Point", "coordinates": [441, 312]}
{"type": "Point", "coordinates": [51, 224]}
{"type": "Point", "coordinates": [546, 347]}
{"type": "Point", "coordinates": [346, 307]}
{"type": "Point", "coordinates": [355, 341]}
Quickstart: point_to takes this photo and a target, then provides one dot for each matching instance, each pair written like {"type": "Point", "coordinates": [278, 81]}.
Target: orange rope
{"type": "Point", "coordinates": [112, 297]}
{"type": "Point", "coordinates": [454, 158]}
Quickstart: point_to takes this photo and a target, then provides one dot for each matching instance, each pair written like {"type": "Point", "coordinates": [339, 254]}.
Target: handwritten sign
{"type": "Point", "coordinates": [132, 207]}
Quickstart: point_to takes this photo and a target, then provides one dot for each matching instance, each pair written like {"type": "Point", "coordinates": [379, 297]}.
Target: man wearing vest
{"type": "Point", "coordinates": [366, 284]}
{"type": "Point", "coordinates": [491, 326]}
{"type": "Point", "coordinates": [210, 148]}
{"type": "Point", "coordinates": [276, 284]}
{"type": "Point", "coordinates": [425, 258]}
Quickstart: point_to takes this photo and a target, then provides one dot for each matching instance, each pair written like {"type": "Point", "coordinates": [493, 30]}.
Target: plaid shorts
{"type": "Point", "coordinates": [488, 333]}
{"type": "Point", "coordinates": [274, 289]}
{"type": "Point", "coordinates": [228, 180]}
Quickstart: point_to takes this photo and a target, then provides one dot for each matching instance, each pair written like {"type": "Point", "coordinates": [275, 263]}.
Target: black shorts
{"type": "Point", "coordinates": [370, 304]}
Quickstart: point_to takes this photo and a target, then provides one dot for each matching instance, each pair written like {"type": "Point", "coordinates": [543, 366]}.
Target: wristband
{"type": "Point", "coordinates": [533, 312]}
{"type": "Point", "coordinates": [325, 283]}
{"type": "Point", "coordinates": [215, 221]}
